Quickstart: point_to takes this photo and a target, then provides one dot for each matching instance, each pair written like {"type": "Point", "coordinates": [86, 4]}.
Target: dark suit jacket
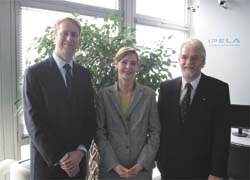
{"type": "Point", "coordinates": [56, 123]}
{"type": "Point", "coordinates": [199, 146]}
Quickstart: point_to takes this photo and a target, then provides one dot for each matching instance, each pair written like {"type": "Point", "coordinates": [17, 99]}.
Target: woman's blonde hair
{"type": "Point", "coordinates": [122, 52]}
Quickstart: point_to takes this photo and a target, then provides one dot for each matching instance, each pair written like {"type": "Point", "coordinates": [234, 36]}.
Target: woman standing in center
{"type": "Point", "coordinates": [128, 123]}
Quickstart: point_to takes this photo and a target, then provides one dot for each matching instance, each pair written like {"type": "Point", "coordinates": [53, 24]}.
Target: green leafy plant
{"type": "Point", "coordinates": [98, 47]}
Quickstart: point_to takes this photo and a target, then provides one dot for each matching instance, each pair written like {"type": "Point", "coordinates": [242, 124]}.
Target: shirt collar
{"type": "Point", "coordinates": [60, 63]}
{"type": "Point", "coordinates": [194, 83]}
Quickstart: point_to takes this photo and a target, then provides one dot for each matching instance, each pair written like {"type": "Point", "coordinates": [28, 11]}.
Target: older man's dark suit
{"type": "Point", "coordinates": [57, 123]}
{"type": "Point", "coordinates": [199, 146]}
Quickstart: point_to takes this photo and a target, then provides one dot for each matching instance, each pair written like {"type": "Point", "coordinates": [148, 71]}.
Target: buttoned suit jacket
{"type": "Point", "coordinates": [127, 141]}
{"type": "Point", "coordinates": [199, 146]}
{"type": "Point", "coordinates": [56, 123]}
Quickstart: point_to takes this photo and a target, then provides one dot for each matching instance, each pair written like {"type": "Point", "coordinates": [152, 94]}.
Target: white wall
{"type": "Point", "coordinates": [225, 61]}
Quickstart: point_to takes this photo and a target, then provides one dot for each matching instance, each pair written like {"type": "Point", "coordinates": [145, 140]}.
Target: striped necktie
{"type": "Point", "coordinates": [68, 76]}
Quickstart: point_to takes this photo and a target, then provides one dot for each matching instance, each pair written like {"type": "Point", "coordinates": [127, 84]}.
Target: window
{"type": "Point", "coordinates": [143, 31]}
{"type": "Point", "coordinates": [174, 42]}
{"type": "Point", "coordinates": [34, 23]}
{"type": "Point", "coordinates": [162, 18]}
{"type": "Point", "coordinates": [173, 11]}
{"type": "Point", "coordinates": [112, 4]}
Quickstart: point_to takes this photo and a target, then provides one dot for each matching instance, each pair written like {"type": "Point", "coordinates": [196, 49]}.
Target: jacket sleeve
{"type": "Point", "coordinates": [221, 134]}
{"type": "Point", "coordinates": [35, 115]}
{"type": "Point", "coordinates": [160, 157]}
{"type": "Point", "coordinates": [89, 134]}
{"type": "Point", "coordinates": [149, 151]}
{"type": "Point", "coordinates": [107, 154]}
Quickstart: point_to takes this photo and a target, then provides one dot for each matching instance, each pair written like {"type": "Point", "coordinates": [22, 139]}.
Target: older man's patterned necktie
{"type": "Point", "coordinates": [185, 104]}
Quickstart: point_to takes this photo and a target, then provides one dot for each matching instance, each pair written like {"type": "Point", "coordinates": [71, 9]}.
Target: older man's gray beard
{"type": "Point", "coordinates": [190, 75]}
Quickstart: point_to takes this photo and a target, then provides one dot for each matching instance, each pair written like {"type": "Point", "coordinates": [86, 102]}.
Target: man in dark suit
{"type": "Point", "coordinates": [195, 134]}
{"type": "Point", "coordinates": [59, 109]}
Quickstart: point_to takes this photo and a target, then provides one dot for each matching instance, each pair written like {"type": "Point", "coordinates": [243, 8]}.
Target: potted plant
{"type": "Point", "coordinates": [98, 47]}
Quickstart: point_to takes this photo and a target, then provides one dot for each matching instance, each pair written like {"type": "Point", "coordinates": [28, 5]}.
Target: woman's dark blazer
{"type": "Point", "coordinates": [199, 146]}
{"type": "Point", "coordinates": [56, 122]}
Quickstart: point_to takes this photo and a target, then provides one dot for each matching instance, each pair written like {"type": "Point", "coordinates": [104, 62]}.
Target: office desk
{"type": "Point", "coordinates": [241, 141]}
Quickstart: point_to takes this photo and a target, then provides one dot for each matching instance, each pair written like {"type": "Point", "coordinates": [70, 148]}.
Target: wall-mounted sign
{"type": "Point", "coordinates": [220, 41]}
